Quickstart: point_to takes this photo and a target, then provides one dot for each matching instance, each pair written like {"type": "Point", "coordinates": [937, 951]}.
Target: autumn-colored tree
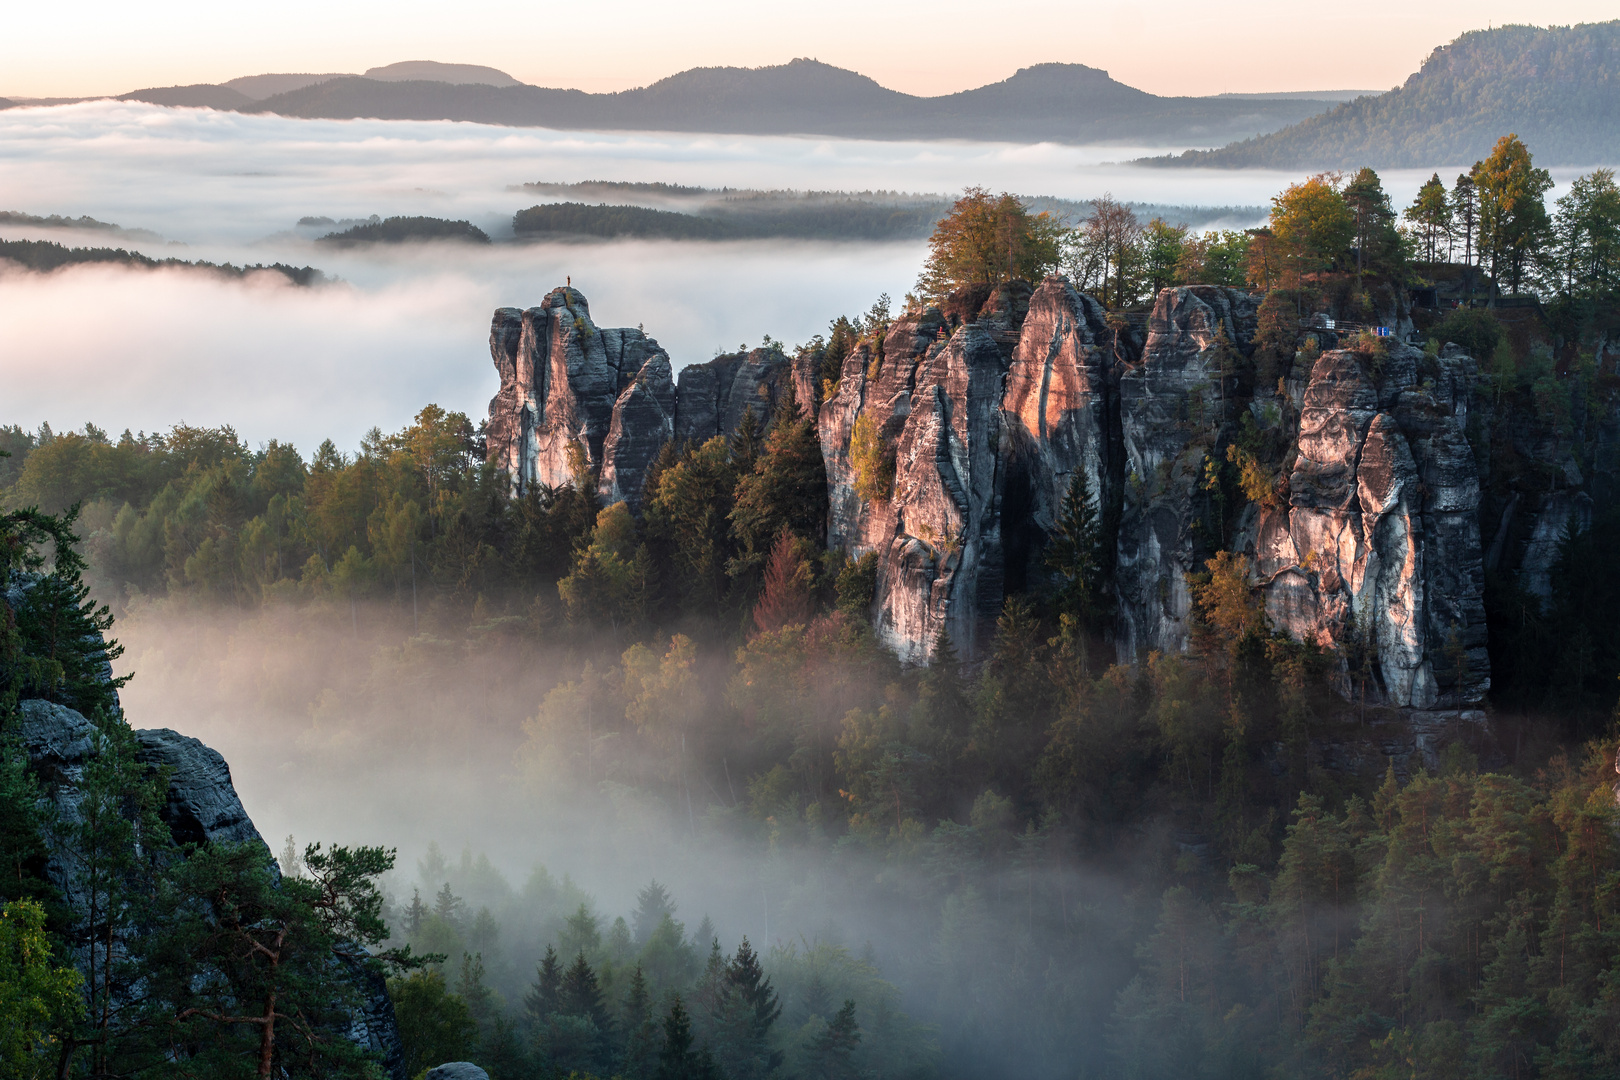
{"type": "Point", "coordinates": [986, 239]}
{"type": "Point", "coordinates": [872, 458]}
{"type": "Point", "coordinates": [1313, 226]}
{"type": "Point", "coordinates": [784, 598]}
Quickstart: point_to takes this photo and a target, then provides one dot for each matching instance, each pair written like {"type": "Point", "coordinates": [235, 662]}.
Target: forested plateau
{"type": "Point", "coordinates": [1033, 681]}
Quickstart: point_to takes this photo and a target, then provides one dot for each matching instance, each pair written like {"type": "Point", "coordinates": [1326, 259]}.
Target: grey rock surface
{"type": "Point", "coordinates": [713, 396]}
{"type": "Point", "coordinates": [201, 806]}
{"type": "Point", "coordinates": [1369, 543]}
{"type": "Point", "coordinates": [1173, 403]}
{"type": "Point", "coordinates": [457, 1070]}
{"type": "Point", "coordinates": [561, 379]}
{"type": "Point", "coordinates": [643, 421]}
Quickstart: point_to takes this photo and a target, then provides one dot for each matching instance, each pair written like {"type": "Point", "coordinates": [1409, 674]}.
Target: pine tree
{"type": "Point", "coordinates": [677, 1060]}
{"type": "Point", "coordinates": [64, 654]}
{"type": "Point", "coordinates": [817, 999]}
{"type": "Point", "coordinates": [1465, 214]}
{"type": "Point", "coordinates": [1431, 212]}
{"type": "Point", "coordinates": [639, 1056]}
{"type": "Point", "coordinates": [787, 489]}
{"type": "Point", "coordinates": [580, 993]}
{"type": "Point", "coordinates": [415, 913]}
{"type": "Point", "coordinates": [579, 996]}
{"type": "Point", "coordinates": [1276, 331]}
{"type": "Point", "coordinates": [747, 1009]}
{"type": "Point", "coordinates": [746, 442]}
{"type": "Point", "coordinates": [708, 997]}
{"type": "Point", "coordinates": [470, 988]}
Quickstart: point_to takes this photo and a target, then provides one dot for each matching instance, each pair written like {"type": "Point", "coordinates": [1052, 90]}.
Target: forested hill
{"type": "Point", "coordinates": [1046, 102]}
{"type": "Point", "coordinates": [1557, 88]}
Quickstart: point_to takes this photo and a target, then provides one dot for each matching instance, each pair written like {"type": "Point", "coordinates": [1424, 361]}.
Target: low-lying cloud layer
{"type": "Point", "coordinates": [408, 325]}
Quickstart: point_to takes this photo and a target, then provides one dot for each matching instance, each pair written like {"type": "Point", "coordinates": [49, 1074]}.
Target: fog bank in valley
{"type": "Point", "coordinates": [408, 325]}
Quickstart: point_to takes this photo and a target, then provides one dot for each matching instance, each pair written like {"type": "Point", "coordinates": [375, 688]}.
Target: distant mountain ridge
{"type": "Point", "coordinates": [1069, 103]}
{"type": "Point", "coordinates": [1557, 88]}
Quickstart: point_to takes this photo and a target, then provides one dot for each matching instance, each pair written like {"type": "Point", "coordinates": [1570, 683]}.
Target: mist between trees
{"type": "Point", "coordinates": [1042, 864]}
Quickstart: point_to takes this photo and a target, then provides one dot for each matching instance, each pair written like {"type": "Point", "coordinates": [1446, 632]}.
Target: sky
{"type": "Point", "coordinates": [1167, 47]}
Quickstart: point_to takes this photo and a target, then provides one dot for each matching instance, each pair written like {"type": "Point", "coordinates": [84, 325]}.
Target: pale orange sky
{"type": "Point", "coordinates": [1167, 47]}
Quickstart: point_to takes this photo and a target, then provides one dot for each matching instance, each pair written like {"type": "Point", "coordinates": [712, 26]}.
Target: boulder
{"type": "Point", "coordinates": [457, 1070]}
{"type": "Point", "coordinates": [202, 804]}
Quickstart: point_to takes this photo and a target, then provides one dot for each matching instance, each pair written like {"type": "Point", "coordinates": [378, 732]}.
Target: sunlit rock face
{"type": "Point", "coordinates": [1372, 542]}
{"type": "Point", "coordinates": [1369, 543]}
{"type": "Point", "coordinates": [563, 383]}
{"type": "Point", "coordinates": [1378, 545]}
{"type": "Point", "coordinates": [574, 396]}
{"type": "Point", "coordinates": [988, 421]}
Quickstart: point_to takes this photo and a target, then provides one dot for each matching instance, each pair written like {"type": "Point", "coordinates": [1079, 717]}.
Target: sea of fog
{"type": "Point", "coordinates": [406, 326]}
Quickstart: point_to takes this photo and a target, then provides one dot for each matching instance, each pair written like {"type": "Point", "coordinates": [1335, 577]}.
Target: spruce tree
{"type": "Point", "coordinates": [745, 443]}
{"type": "Point", "coordinates": [832, 1050]}
{"type": "Point", "coordinates": [748, 1008]}
{"type": "Point", "coordinates": [652, 904]}
{"type": "Point", "coordinates": [677, 1060]}
{"type": "Point", "coordinates": [579, 997]}
{"type": "Point", "coordinates": [542, 999]}
{"type": "Point", "coordinates": [1075, 553]}
{"type": "Point", "coordinates": [817, 999]}
{"type": "Point", "coordinates": [448, 906]}
{"type": "Point", "coordinates": [415, 912]}
{"type": "Point", "coordinates": [638, 1058]}
{"type": "Point", "coordinates": [787, 489]}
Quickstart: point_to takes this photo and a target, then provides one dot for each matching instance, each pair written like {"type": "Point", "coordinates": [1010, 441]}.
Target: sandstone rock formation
{"type": "Point", "coordinates": [562, 383]}
{"type": "Point", "coordinates": [1173, 406]}
{"type": "Point", "coordinates": [984, 449]}
{"type": "Point", "coordinates": [575, 397]}
{"type": "Point", "coordinates": [1367, 539]}
{"type": "Point", "coordinates": [713, 396]}
{"type": "Point", "coordinates": [1378, 546]}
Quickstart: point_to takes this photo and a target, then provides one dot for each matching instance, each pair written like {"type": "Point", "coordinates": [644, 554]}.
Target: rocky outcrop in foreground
{"type": "Point", "coordinates": [201, 807]}
{"type": "Point", "coordinates": [1361, 524]}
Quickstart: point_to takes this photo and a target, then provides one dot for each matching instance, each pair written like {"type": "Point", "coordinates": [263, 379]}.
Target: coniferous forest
{"type": "Point", "coordinates": [1051, 861]}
